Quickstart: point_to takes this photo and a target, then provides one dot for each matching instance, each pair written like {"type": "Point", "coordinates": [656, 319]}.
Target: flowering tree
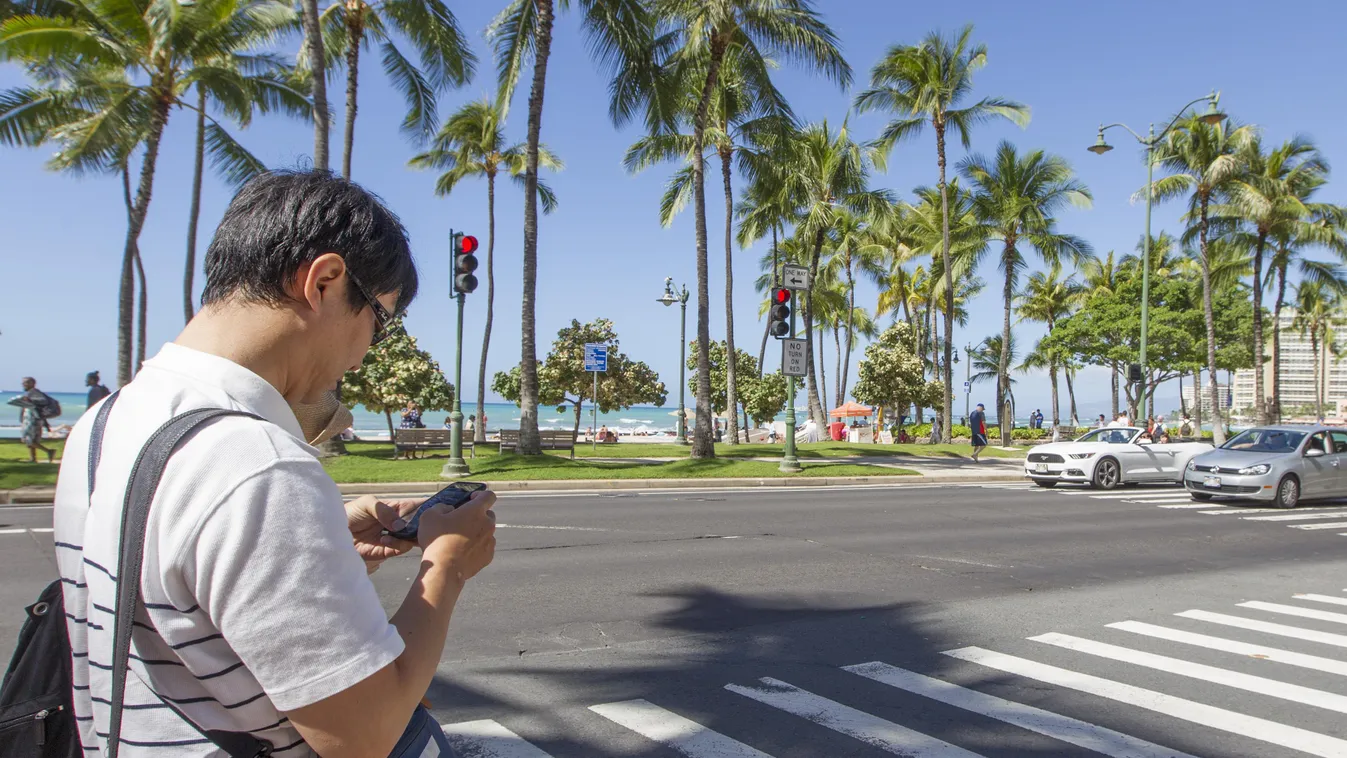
{"type": "Point", "coordinates": [394, 373]}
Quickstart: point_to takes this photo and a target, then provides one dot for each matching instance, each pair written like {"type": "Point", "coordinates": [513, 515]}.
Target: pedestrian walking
{"type": "Point", "coordinates": [978, 421]}
{"type": "Point", "coordinates": [33, 419]}
{"type": "Point", "coordinates": [96, 389]}
{"type": "Point", "coordinates": [253, 599]}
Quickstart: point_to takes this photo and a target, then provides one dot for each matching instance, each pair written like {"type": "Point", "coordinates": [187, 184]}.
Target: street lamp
{"type": "Point", "coordinates": [669, 298]}
{"type": "Point", "coordinates": [1213, 116]}
{"type": "Point", "coordinates": [968, 376]}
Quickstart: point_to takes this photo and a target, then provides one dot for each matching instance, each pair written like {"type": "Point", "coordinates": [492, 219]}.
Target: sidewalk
{"type": "Point", "coordinates": [929, 471]}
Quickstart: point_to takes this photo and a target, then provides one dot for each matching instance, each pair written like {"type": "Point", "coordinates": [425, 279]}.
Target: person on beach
{"type": "Point", "coordinates": [31, 422]}
{"type": "Point", "coordinates": [96, 389]}
{"type": "Point", "coordinates": [258, 609]}
{"type": "Point", "coordinates": [978, 422]}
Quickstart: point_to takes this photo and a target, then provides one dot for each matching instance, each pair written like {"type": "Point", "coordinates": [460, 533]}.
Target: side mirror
{"type": "Point", "coordinates": [1314, 452]}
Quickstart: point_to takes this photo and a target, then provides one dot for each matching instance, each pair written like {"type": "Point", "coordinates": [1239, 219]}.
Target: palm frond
{"type": "Point", "coordinates": [420, 96]}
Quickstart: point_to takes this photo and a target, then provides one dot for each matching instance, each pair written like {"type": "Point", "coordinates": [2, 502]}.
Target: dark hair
{"type": "Point", "coordinates": [282, 220]}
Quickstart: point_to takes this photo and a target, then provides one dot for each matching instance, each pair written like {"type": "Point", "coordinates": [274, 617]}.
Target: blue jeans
{"type": "Point", "coordinates": [423, 739]}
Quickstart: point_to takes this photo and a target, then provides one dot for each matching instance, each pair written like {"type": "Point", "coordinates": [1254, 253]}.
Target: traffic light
{"type": "Point", "coordinates": [464, 262]}
{"type": "Point", "coordinates": [1134, 373]}
{"type": "Point", "coordinates": [780, 313]}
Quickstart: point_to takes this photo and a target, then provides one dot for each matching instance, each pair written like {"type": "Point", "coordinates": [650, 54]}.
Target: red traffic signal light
{"type": "Point", "coordinates": [464, 245]}
{"type": "Point", "coordinates": [467, 245]}
{"type": "Point", "coordinates": [781, 296]}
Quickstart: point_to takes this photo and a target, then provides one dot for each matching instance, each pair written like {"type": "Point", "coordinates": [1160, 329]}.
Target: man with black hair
{"type": "Point", "coordinates": [258, 612]}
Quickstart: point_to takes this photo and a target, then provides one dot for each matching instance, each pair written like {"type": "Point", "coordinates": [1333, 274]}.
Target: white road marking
{"type": "Point", "coordinates": [1227, 509]}
{"type": "Point", "coordinates": [1141, 496]}
{"type": "Point", "coordinates": [668, 728]}
{"type": "Point", "coordinates": [1188, 710]}
{"type": "Point", "coordinates": [1295, 693]}
{"type": "Point", "coordinates": [1267, 627]}
{"type": "Point", "coordinates": [1080, 733]}
{"type": "Point", "coordinates": [869, 729]}
{"type": "Point", "coordinates": [41, 530]}
{"type": "Point", "coordinates": [1331, 599]}
{"type": "Point", "coordinates": [1314, 662]}
{"type": "Point", "coordinates": [1334, 525]}
{"type": "Point", "coordinates": [488, 739]}
{"type": "Point", "coordinates": [1298, 516]}
{"type": "Point", "coordinates": [560, 528]}
{"type": "Point", "coordinates": [13, 531]}
{"type": "Point", "coordinates": [1187, 506]}
{"type": "Point", "coordinates": [1291, 610]}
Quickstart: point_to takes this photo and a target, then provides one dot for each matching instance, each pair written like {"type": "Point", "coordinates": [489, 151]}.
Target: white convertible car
{"type": "Point", "coordinates": [1107, 458]}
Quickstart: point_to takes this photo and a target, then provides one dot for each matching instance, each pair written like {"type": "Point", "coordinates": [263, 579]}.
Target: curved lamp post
{"type": "Point", "coordinates": [1212, 116]}
{"type": "Point", "coordinates": [669, 298]}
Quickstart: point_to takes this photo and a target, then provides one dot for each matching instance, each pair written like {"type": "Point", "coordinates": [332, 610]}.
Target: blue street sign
{"type": "Point", "coordinates": [596, 357]}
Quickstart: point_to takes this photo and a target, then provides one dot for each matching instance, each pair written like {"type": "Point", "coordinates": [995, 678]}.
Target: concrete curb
{"type": "Point", "coordinates": [25, 495]}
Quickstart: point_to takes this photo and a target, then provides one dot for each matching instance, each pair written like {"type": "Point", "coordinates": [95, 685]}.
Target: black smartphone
{"type": "Point", "coordinates": [454, 495]}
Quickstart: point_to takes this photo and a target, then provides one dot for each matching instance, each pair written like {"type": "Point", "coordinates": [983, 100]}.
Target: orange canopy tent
{"type": "Point", "coordinates": [850, 410]}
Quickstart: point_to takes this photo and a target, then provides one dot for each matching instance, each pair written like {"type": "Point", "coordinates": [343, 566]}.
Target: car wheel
{"type": "Point", "coordinates": [1107, 474]}
{"type": "Point", "coordinates": [1288, 493]}
{"type": "Point", "coordinates": [1201, 497]}
{"type": "Point", "coordinates": [1045, 484]}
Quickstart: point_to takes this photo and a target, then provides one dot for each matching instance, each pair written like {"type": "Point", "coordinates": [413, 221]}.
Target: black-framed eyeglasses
{"type": "Point", "coordinates": [384, 322]}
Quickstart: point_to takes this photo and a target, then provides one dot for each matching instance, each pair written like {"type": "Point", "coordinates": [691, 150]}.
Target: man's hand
{"type": "Point", "coordinates": [368, 517]}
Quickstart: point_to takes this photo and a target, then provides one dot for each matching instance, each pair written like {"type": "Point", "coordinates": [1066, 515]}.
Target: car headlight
{"type": "Point", "coordinates": [1192, 464]}
{"type": "Point", "coordinates": [1258, 470]}
{"type": "Point", "coordinates": [1081, 456]}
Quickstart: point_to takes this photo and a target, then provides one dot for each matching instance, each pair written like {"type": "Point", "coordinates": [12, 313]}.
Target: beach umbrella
{"type": "Point", "coordinates": [850, 410]}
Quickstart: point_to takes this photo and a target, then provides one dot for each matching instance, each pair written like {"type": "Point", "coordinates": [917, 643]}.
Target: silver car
{"type": "Point", "coordinates": [1280, 464]}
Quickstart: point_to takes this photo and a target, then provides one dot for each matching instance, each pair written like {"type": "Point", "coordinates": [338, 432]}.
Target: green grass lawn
{"type": "Point", "coordinates": [16, 471]}
{"type": "Point", "coordinates": [815, 450]}
{"type": "Point", "coordinates": [373, 462]}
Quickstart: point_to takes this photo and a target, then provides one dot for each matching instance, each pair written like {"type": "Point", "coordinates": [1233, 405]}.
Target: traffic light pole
{"type": "Point", "coordinates": [456, 465]}
{"type": "Point", "coordinates": [790, 464]}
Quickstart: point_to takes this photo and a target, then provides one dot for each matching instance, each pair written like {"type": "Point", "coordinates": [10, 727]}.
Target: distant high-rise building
{"type": "Point", "coordinates": [1297, 371]}
{"type": "Point", "coordinates": [1189, 397]}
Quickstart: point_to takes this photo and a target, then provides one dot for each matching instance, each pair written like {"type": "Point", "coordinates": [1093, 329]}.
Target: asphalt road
{"type": "Point", "coordinates": [741, 623]}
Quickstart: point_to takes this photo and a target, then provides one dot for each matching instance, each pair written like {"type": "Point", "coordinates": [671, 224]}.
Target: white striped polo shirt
{"type": "Point", "coordinates": [256, 602]}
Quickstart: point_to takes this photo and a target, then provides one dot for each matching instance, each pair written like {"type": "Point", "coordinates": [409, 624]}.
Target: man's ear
{"type": "Point", "coordinates": [321, 282]}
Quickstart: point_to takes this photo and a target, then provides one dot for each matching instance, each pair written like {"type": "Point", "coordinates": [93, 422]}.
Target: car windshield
{"type": "Point", "coordinates": [1120, 436]}
{"type": "Point", "coordinates": [1265, 441]}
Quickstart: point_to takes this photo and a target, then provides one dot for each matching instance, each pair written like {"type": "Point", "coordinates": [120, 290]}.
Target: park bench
{"type": "Point", "coordinates": [550, 440]}
{"type": "Point", "coordinates": [411, 440]}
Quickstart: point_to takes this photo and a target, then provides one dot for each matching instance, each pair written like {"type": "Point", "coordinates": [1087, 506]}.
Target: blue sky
{"type": "Point", "coordinates": [604, 253]}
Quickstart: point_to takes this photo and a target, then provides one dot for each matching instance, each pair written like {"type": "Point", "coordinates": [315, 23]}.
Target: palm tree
{"type": "Point", "coordinates": [1100, 277]}
{"type": "Point", "coordinates": [1317, 308]}
{"type": "Point", "coordinates": [700, 35]}
{"type": "Point", "coordinates": [1048, 298]}
{"type": "Point", "coordinates": [315, 55]}
{"type": "Point", "coordinates": [445, 56]}
{"type": "Point", "coordinates": [162, 44]}
{"type": "Point", "coordinates": [853, 250]}
{"type": "Point", "coordinates": [1202, 160]}
{"type": "Point", "coordinates": [472, 143]}
{"type": "Point", "coordinates": [1017, 197]}
{"type": "Point", "coordinates": [927, 82]}
{"type": "Point", "coordinates": [620, 35]}
{"type": "Point", "coordinates": [987, 367]}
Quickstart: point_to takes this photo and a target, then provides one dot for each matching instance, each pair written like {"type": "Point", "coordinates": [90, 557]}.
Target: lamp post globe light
{"type": "Point", "coordinates": [1212, 116]}
{"type": "Point", "coordinates": [669, 298]}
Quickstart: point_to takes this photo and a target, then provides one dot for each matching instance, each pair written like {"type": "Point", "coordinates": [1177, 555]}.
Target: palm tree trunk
{"type": "Point", "coordinates": [1276, 410]}
{"type": "Point", "coordinates": [353, 34]}
{"type": "Point", "coordinates": [388, 416]}
{"type": "Point", "coordinates": [811, 383]}
{"type": "Point", "coordinates": [766, 330]}
{"type": "Point", "coordinates": [1314, 348]}
{"type": "Point", "coordinates": [479, 428]}
{"type": "Point", "coordinates": [822, 370]}
{"type": "Point", "coordinates": [731, 381]}
{"type": "Point", "coordinates": [1197, 397]}
{"type": "Point", "coordinates": [851, 334]}
{"type": "Point", "coordinates": [839, 391]}
{"type": "Point", "coordinates": [1218, 428]}
{"type": "Point", "coordinates": [1056, 415]}
{"type": "Point", "coordinates": [948, 375]}
{"type": "Point", "coordinates": [1003, 364]}
{"type": "Point", "coordinates": [313, 37]}
{"type": "Point", "coordinates": [1114, 372]}
{"type": "Point", "coordinates": [529, 442]}
{"type": "Point", "coordinates": [1260, 410]}
{"type": "Point", "coordinates": [141, 311]}
{"type": "Point", "coordinates": [1071, 393]}
{"type": "Point", "coordinates": [158, 120]}
{"type": "Point", "coordinates": [194, 215]}
{"type": "Point", "coordinates": [703, 443]}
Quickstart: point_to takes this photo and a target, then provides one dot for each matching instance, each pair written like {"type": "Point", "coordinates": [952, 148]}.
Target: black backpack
{"type": "Point", "coordinates": [37, 714]}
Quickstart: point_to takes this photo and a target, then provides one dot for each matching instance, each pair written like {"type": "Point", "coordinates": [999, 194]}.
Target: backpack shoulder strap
{"type": "Point", "coordinates": [144, 480]}
{"type": "Point", "coordinates": [96, 437]}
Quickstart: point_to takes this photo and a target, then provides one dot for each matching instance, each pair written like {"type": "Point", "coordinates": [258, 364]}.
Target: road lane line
{"type": "Point", "coordinates": [13, 531]}
{"type": "Point", "coordinates": [1291, 610]}
{"type": "Point", "coordinates": [1140, 495]}
{"type": "Point", "coordinates": [1298, 516]}
{"type": "Point", "coordinates": [1186, 506]}
{"type": "Point", "coordinates": [869, 729]}
{"type": "Point", "coordinates": [670, 729]}
{"type": "Point", "coordinates": [1187, 710]}
{"type": "Point", "coordinates": [1333, 600]}
{"type": "Point", "coordinates": [1295, 693]}
{"type": "Point", "coordinates": [41, 530]}
{"type": "Point", "coordinates": [1079, 733]}
{"type": "Point", "coordinates": [1267, 627]}
{"type": "Point", "coordinates": [488, 739]}
{"type": "Point", "coordinates": [1273, 654]}
{"type": "Point", "coordinates": [1334, 525]}
{"type": "Point", "coordinates": [559, 528]}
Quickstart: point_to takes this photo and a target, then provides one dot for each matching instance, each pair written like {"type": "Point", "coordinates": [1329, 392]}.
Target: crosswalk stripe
{"type": "Point", "coordinates": [1080, 733]}
{"type": "Point", "coordinates": [1187, 506]}
{"type": "Point", "coordinates": [1224, 510]}
{"type": "Point", "coordinates": [1291, 610]}
{"type": "Point", "coordinates": [1331, 599]}
{"type": "Point", "coordinates": [1334, 525]}
{"type": "Point", "coordinates": [1298, 516]}
{"type": "Point", "coordinates": [1267, 627]}
{"type": "Point", "coordinates": [1295, 693]}
{"type": "Point", "coordinates": [12, 531]}
{"type": "Point", "coordinates": [1140, 496]}
{"type": "Point", "coordinates": [869, 729]}
{"type": "Point", "coordinates": [488, 739]}
{"type": "Point", "coordinates": [1275, 655]}
{"type": "Point", "coordinates": [1168, 501]}
{"type": "Point", "coordinates": [668, 728]}
{"type": "Point", "coordinates": [41, 530]}
{"type": "Point", "coordinates": [1188, 710]}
